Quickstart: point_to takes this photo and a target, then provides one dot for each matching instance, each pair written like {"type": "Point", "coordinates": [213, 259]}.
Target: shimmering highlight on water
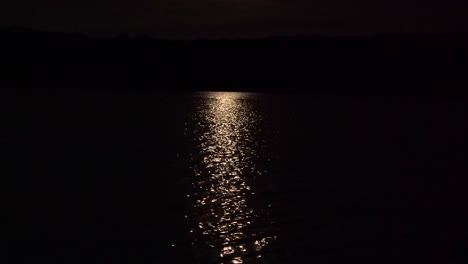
{"type": "Point", "coordinates": [224, 169]}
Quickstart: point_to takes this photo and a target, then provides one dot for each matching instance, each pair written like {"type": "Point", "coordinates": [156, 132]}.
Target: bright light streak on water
{"type": "Point", "coordinates": [224, 169]}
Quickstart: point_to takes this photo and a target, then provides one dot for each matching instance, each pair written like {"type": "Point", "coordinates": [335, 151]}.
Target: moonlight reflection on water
{"type": "Point", "coordinates": [224, 168]}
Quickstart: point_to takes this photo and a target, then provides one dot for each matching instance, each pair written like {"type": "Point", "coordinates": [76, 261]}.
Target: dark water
{"type": "Point", "coordinates": [236, 178]}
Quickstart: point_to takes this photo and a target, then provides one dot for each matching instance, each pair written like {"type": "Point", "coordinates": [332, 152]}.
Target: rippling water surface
{"type": "Point", "coordinates": [238, 178]}
{"type": "Point", "coordinates": [229, 144]}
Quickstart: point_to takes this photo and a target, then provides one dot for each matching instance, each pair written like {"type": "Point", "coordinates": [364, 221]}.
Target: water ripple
{"type": "Point", "coordinates": [224, 170]}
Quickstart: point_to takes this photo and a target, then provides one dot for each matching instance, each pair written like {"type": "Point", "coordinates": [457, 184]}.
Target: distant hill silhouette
{"type": "Point", "coordinates": [49, 60]}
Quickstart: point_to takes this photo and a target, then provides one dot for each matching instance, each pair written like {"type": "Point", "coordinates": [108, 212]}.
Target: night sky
{"type": "Point", "coordinates": [231, 18]}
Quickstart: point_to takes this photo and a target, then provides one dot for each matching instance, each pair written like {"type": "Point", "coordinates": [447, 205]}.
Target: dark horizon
{"type": "Point", "coordinates": [18, 29]}
{"type": "Point", "coordinates": [186, 19]}
{"type": "Point", "coordinates": [52, 59]}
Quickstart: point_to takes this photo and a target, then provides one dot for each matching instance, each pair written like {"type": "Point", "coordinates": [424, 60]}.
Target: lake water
{"type": "Point", "coordinates": [228, 156]}
{"type": "Point", "coordinates": [226, 177]}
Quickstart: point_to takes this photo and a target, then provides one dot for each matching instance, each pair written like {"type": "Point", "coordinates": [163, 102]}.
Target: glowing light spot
{"type": "Point", "coordinates": [237, 260]}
